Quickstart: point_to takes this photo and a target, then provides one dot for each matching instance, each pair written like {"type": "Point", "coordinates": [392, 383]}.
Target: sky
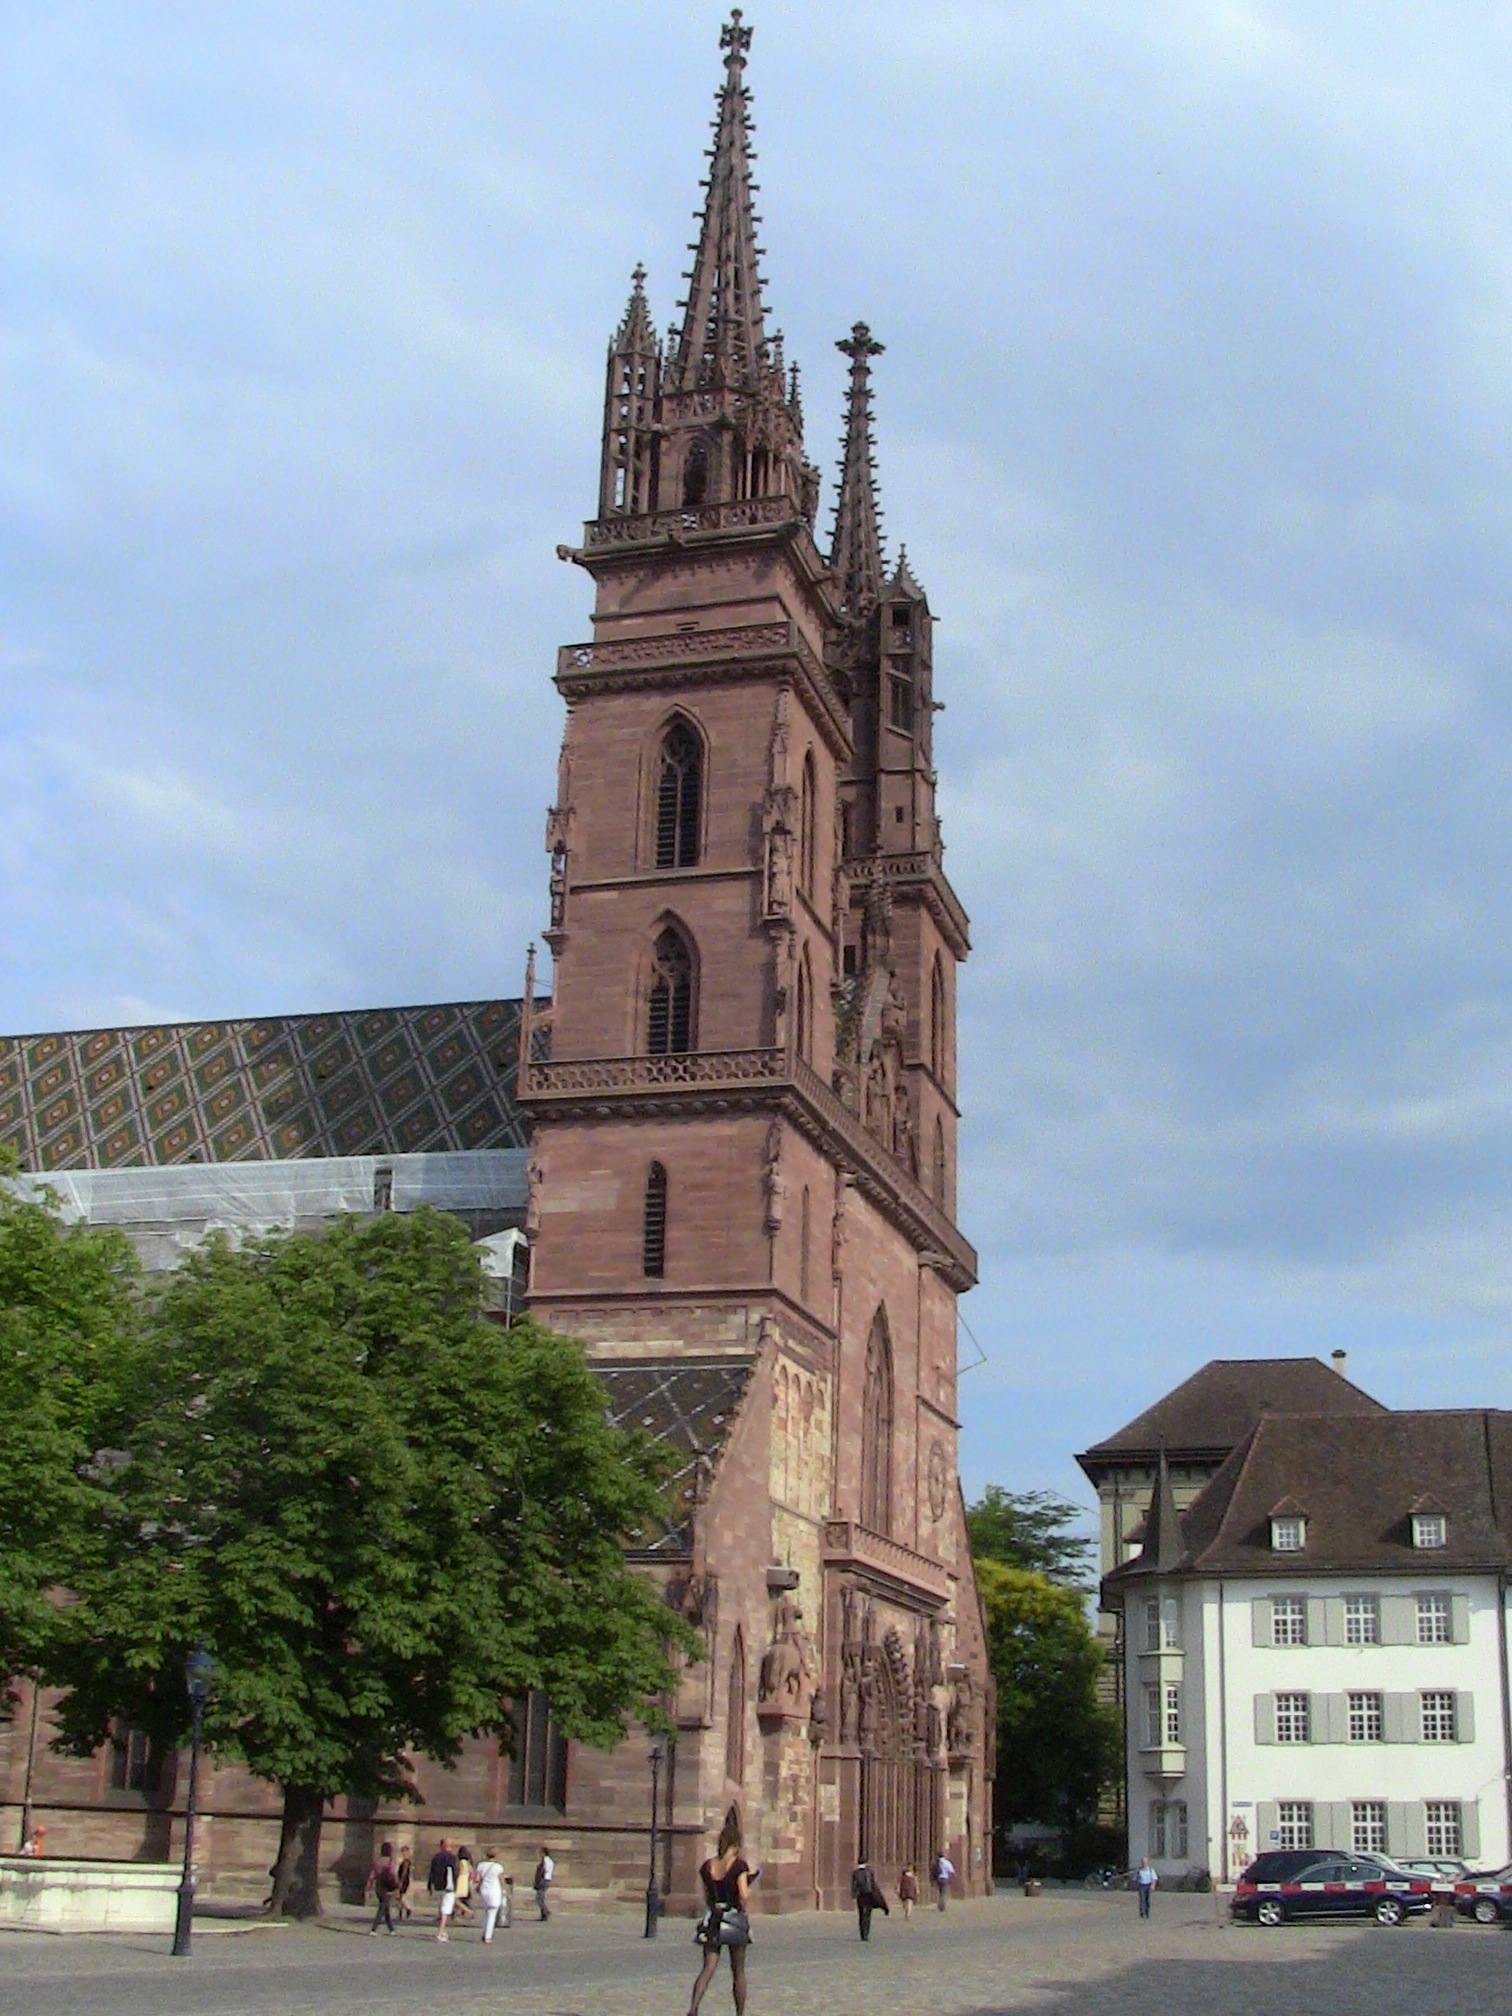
{"type": "Point", "coordinates": [1193, 415]}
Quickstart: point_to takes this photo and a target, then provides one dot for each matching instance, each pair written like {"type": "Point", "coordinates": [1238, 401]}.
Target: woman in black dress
{"type": "Point", "coordinates": [726, 1879]}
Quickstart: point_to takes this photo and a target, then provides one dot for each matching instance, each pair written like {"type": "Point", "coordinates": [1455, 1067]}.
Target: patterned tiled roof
{"type": "Point", "coordinates": [380, 1081]}
{"type": "Point", "coordinates": [687, 1405]}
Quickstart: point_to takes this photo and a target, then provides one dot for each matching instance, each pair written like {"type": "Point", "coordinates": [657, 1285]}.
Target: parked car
{"type": "Point", "coordinates": [1485, 1898]}
{"type": "Point", "coordinates": [1443, 1868]}
{"type": "Point", "coordinates": [1315, 1884]}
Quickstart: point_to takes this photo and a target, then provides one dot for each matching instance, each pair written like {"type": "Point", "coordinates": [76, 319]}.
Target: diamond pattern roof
{"type": "Point", "coordinates": [395, 1081]}
{"type": "Point", "coordinates": [689, 1406]}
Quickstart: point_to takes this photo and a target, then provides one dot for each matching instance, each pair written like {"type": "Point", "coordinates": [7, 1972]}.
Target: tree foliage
{"type": "Point", "coordinates": [1031, 1529]}
{"type": "Point", "coordinates": [384, 1515]}
{"type": "Point", "coordinates": [1057, 1744]}
{"type": "Point", "coordinates": [67, 1313]}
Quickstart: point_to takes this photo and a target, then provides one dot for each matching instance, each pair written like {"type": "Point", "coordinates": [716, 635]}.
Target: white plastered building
{"type": "Point", "coordinates": [1316, 1650]}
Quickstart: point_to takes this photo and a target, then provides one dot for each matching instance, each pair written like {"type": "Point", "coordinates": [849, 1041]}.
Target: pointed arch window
{"type": "Point", "coordinates": [669, 1007]}
{"type": "Point", "coordinates": [679, 793]}
{"type": "Point", "coordinates": [735, 1712]}
{"type": "Point", "coordinates": [654, 1224]}
{"type": "Point", "coordinates": [805, 1016]}
{"type": "Point", "coordinates": [808, 793]}
{"type": "Point", "coordinates": [877, 1430]}
{"type": "Point", "coordinates": [937, 1019]}
{"type": "Point", "coordinates": [941, 1170]}
{"type": "Point", "coordinates": [696, 475]}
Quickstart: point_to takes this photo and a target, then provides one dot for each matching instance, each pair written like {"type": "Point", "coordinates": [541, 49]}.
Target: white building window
{"type": "Point", "coordinates": [1293, 1719]}
{"type": "Point", "coordinates": [1168, 1830]}
{"type": "Point", "coordinates": [1367, 1820]}
{"type": "Point", "coordinates": [1289, 1620]}
{"type": "Point", "coordinates": [1158, 1829]}
{"type": "Point", "coordinates": [1444, 1830]}
{"type": "Point", "coordinates": [1367, 1720]}
{"type": "Point", "coordinates": [1430, 1529]}
{"type": "Point", "coordinates": [1362, 1620]}
{"type": "Point", "coordinates": [1294, 1823]}
{"type": "Point", "coordinates": [1289, 1534]}
{"type": "Point", "coordinates": [1173, 1714]}
{"type": "Point", "coordinates": [1438, 1720]}
{"type": "Point", "coordinates": [1152, 1626]}
{"type": "Point", "coordinates": [1433, 1621]}
{"type": "Point", "coordinates": [1152, 1718]}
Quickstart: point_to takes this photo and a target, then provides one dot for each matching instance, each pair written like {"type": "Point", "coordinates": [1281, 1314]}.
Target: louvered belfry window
{"type": "Point", "coordinates": [678, 789]}
{"type": "Point", "coordinates": [654, 1235]}
{"type": "Point", "coordinates": [669, 1019]}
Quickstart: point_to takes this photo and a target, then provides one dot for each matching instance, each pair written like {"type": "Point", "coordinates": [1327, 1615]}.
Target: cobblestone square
{"type": "Point", "coordinates": [1066, 1954]}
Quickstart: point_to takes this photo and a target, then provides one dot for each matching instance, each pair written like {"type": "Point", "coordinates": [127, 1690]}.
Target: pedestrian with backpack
{"type": "Point", "coordinates": [942, 1874]}
{"type": "Point", "coordinates": [384, 1883]}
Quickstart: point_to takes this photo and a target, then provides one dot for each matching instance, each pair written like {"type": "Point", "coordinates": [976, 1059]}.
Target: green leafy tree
{"type": "Point", "coordinates": [1031, 1529]}
{"type": "Point", "coordinates": [67, 1310]}
{"type": "Point", "coordinates": [1057, 1743]}
{"type": "Point", "coordinates": [383, 1514]}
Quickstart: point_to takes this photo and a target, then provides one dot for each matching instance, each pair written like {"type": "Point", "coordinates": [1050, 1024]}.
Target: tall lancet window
{"type": "Point", "coordinates": [654, 1224]}
{"type": "Point", "coordinates": [679, 789]}
{"type": "Point", "coordinates": [806, 810]}
{"type": "Point", "coordinates": [877, 1430]}
{"type": "Point", "coordinates": [669, 1008]}
{"type": "Point", "coordinates": [735, 1712]}
{"type": "Point", "coordinates": [937, 1019]}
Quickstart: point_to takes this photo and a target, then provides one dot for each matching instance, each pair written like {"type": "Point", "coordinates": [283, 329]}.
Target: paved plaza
{"type": "Point", "coordinates": [1067, 1954]}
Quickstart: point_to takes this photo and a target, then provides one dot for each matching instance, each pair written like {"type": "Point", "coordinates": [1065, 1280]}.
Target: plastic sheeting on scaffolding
{"type": "Point", "coordinates": [197, 1197]}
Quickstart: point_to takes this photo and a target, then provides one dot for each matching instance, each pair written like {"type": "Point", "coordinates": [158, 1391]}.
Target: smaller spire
{"type": "Point", "coordinates": [903, 582]}
{"type": "Point", "coordinates": [856, 549]}
{"type": "Point", "coordinates": [635, 336]}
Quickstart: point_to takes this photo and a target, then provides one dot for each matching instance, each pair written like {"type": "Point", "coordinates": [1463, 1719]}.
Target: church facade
{"type": "Point", "coordinates": [740, 1185]}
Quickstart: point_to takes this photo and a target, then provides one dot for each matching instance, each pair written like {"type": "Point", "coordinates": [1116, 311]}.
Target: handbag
{"type": "Point", "coordinates": [723, 1925]}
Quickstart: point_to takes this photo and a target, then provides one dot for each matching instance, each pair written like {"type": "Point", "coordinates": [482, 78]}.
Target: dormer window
{"type": "Point", "coordinates": [1430, 1529]}
{"type": "Point", "coordinates": [1288, 1533]}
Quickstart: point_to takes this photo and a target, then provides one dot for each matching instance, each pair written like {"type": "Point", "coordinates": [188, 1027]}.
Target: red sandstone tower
{"type": "Point", "coordinates": [746, 1128]}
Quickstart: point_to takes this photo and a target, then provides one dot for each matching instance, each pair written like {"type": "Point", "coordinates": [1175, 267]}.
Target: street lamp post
{"type": "Point", "coordinates": [199, 1669]}
{"type": "Point", "coordinates": [653, 1889]}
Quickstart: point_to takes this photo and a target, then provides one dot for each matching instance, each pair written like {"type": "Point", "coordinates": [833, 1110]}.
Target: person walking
{"type": "Point", "coordinates": [726, 1879]}
{"type": "Point", "coordinates": [908, 1891]}
{"type": "Point", "coordinates": [464, 1883]}
{"type": "Point", "coordinates": [541, 1882]}
{"type": "Point", "coordinates": [866, 1893]}
{"type": "Point", "coordinates": [406, 1875]}
{"type": "Point", "coordinates": [1145, 1881]}
{"type": "Point", "coordinates": [942, 1874]}
{"type": "Point", "coordinates": [442, 1885]}
{"type": "Point", "coordinates": [490, 1879]}
{"type": "Point", "coordinates": [384, 1883]}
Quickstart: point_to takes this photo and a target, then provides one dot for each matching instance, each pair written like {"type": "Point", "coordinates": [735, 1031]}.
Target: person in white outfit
{"type": "Point", "coordinates": [489, 1876]}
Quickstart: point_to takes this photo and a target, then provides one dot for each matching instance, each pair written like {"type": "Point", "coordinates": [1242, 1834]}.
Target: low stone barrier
{"type": "Point", "coordinates": [58, 1893]}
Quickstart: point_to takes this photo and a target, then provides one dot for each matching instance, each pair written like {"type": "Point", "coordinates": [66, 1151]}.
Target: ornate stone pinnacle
{"type": "Point", "coordinates": [735, 41]}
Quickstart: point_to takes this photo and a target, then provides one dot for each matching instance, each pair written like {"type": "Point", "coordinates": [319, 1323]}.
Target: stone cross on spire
{"type": "Point", "coordinates": [723, 339]}
{"type": "Point", "coordinates": [856, 549]}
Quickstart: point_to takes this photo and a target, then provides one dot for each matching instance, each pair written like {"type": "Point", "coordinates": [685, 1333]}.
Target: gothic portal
{"type": "Point", "coordinates": [742, 1093]}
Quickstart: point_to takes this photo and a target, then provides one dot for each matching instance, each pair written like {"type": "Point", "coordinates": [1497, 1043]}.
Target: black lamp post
{"type": "Point", "coordinates": [653, 1889]}
{"type": "Point", "coordinates": [199, 1670]}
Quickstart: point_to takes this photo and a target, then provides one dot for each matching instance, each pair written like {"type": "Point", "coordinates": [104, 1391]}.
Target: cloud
{"type": "Point", "coordinates": [1194, 415]}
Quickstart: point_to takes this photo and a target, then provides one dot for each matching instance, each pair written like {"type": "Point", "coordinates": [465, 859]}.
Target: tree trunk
{"type": "Point", "coordinates": [296, 1874]}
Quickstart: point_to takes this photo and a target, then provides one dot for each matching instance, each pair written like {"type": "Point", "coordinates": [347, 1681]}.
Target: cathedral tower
{"type": "Point", "coordinates": [743, 1093]}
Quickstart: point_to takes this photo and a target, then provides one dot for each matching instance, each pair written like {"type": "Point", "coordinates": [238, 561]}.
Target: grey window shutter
{"type": "Point", "coordinates": [1333, 1620]}
{"type": "Point", "coordinates": [1267, 1820]}
{"type": "Point", "coordinates": [1459, 1615]}
{"type": "Point", "coordinates": [1317, 1621]}
{"type": "Point", "coordinates": [1340, 1825]}
{"type": "Point", "coordinates": [1396, 1828]}
{"type": "Point", "coordinates": [1470, 1846]}
{"type": "Point", "coordinates": [1464, 1718]}
{"type": "Point", "coordinates": [1265, 1718]}
{"type": "Point", "coordinates": [1417, 1828]}
{"type": "Point", "coordinates": [1260, 1622]}
{"type": "Point", "coordinates": [1398, 1620]}
{"type": "Point", "coordinates": [1396, 1712]}
{"type": "Point", "coordinates": [1335, 1725]}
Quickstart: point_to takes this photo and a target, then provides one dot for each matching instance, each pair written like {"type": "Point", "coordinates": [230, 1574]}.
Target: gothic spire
{"type": "Point", "coordinates": [635, 337]}
{"type": "Point", "coordinates": [856, 549]}
{"type": "Point", "coordinates": [722, 339]}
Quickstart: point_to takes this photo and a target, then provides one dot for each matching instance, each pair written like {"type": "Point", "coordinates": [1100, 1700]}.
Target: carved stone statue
{"type": "Point", "coordinates": [533, 1176]}
{"type": "Point", "coordinates": [787, 1665]}
{"type": "Point", "coordinates": [779, 890]}
{"type": "Point", "coordinates": [959, 1718]}
{"type": "Point", "coordinates": [848, 1698]}
{"type": "Point", "coordinates": [866, 1720]}
{"type": "Point", "coordinates": [773, 1183]}
{"type": "Point", "coordinates": [819, 1716]}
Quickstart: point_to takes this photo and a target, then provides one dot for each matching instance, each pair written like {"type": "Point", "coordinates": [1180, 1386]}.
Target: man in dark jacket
{"type": "Point", "coordinates": [867, 1892]}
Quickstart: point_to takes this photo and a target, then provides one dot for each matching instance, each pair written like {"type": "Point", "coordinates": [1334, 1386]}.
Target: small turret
{"type": "Point", "coordinates": [627, 479]}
